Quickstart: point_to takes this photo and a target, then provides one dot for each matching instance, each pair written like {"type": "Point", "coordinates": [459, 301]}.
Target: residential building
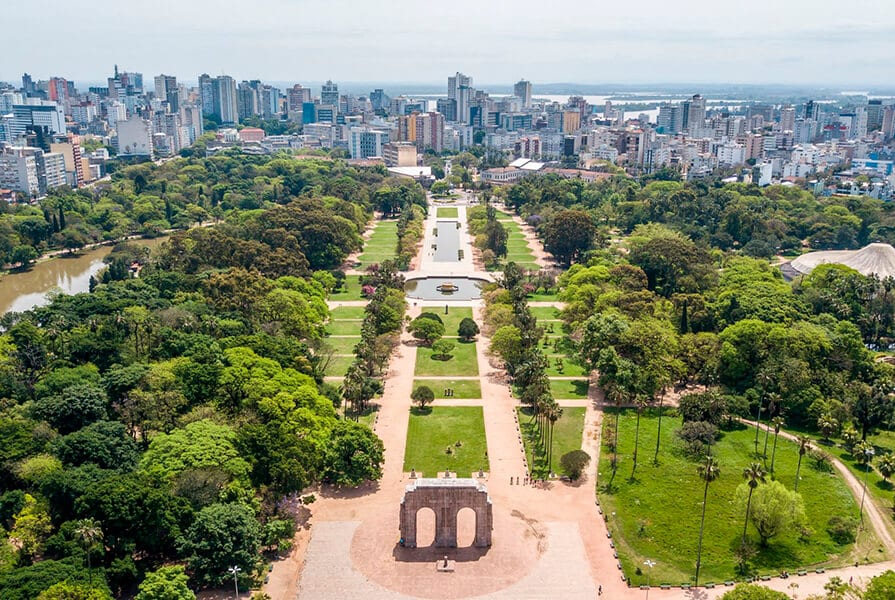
{"type": "Point", "coordinates": [83, 113]}
{"type": "Point", "coordinates": [571, 121]}
{"type": "Point", "coordinates": [206, 94]}
{"type": "Point", "coordinates": [296, 96]}
{"type": "Point", "coordinates": [460, 90]}
{"type": "Point", "coordinates": [671, 118]}
{"type": "Point", "coordinates": [379, 100]}
{"type": "Point", "coordinates": [31, 171]}
{"type": "Point", "coordinates": [225, 99]}
{"type": "Point", "coordinates": [696, 112]}
{"type": "Point", "coordinates": [874, 115]}
{"type": "Point", "coordinates": [364, 142]}
{"type": "Point", "coordinates": [76, 167]}
{"type": "Point", "coordinates": [166, 91]}
{"type": "Point", "coordinates": [399, 154]}
{"type": "Point", "coordinates": [135, 137]}
{"type": "Point", "coordinates": [788, 118]}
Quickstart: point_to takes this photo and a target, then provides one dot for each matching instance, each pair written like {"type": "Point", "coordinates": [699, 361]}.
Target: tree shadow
{"type": "Point", "coordinates": [884, 485]}
{"type": "Point", "coordinates": [347, 493]}
{"type": "Point", "coordinates": [420, 411]}
{"type": "Point", "coordinates": [580, 386]}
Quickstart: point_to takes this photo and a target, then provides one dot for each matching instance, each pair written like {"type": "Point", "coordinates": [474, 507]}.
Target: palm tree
{"type": "Point", "coordinates": [804, 447]}
{"type": "Point", "coordinates": [553, 415]}
{"type": "Point", "coordinates": [777, 422]}
{"type": "Point", "coordinates": [708, 472]}
{"type": "Point", "coordinates": [640, 401]}
{"type": "Point", "coordinates": [753, 474]}
{"type": "Point", "coordinates": [758, 424]}
{"type": "Point", "coordinates": [659, 429]}
{"type": "Point", "coordinates": [89, 533]}
{"type": "Point", "coordinates": [772, 405]}
{"type": "Point", "coordinates": [886, 466]}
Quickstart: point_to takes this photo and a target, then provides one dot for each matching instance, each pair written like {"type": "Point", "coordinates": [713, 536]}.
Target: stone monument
{"type": "Point", "coordinates": [446, 497]}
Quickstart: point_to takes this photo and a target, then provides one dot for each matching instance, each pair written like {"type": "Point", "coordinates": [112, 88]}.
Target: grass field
{"type": "Point", "coordinates": [339, 366]}
{"type": "Point", "coordinates": [566, 437]}
{"type": "Point", "coordinates": [434, 429]}
{"type": "Point", "coordinates": [446, 212]}
{"type": "Point", "coordinates": [347, 312]}
{"type": "Point", "coordinates": [656, 515]}
{"type": "Point", "coordinates": [462, 362]}
{"type": "Point", "coordinates": [569, 369]}
{"type": "Point", "coordinates": [344, 327]}
{"type": "Point", "coordinates": [350, 290]}
{"type": "Point", "coordinates": [569, 389]}
{"type": "Point", "coordinates": [452, 319]}
{"type": "Point", "coordinates": [381, 245]}
{"type": "Point", "coordinates": [545, 313]}
{"type": "Point", "coordinates": [342, 345]}
{"type": "Point", "coordinates": [463, 388]}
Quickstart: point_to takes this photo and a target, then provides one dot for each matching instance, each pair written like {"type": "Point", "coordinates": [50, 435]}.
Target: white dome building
{"type": "Point", "coordinates": [873, 259]}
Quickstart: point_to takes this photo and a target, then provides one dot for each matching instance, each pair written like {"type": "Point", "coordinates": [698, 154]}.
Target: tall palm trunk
{"type": "Point", "coordinates": [659, 430]}
{"type": "Point", "coordinates": [798, 468]}
{"type": "Point", "coordinates": [705, 496]}
{"type": "Point", "coordinates": [774, 451]}
{"type": "Point", "coordinates": [748, 507]}
{"type": "Point", "coordinates": [636, 440]}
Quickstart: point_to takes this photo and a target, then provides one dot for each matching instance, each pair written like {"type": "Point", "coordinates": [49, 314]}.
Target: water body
{"type": "Point", "coordinates": [67, 274]}
{"type": "Point", "coordinates": [447, 242]}
{"type": "Point", "coordinates": [445, 288]}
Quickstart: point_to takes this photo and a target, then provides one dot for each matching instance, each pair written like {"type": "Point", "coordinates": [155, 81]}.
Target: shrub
{"type": "Point", "coordinates": [467, 329]}
{"type": "Point", "coordinates": [442, 349]}
{"type": "Point", "coordinates": [842, 529]}
{"type": "Point", "coordinates": [820, 460]}
{"type": "Point", "coordinates": [423, 395]}
{"type": "Point", "coordinates": [706, 406]}
{"type": "Point", "coordinates": [698, 436]}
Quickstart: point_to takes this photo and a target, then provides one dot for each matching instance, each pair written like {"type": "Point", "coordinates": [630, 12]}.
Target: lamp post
{"type": "Point", "coordinates": [234, 570]}
{"type": "Point", "coordinates": [650, 564]}
{"type": "Point", "coordinates": [868, 453]}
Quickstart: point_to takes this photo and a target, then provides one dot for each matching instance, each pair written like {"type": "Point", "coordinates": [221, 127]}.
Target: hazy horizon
{"type": "Point", "coordinates": [799, 42]}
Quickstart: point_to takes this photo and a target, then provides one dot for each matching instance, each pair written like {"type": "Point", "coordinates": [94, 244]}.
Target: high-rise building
{"type": "Point", "coordinates": [364, 142]}
{"type": "Point", "coordinates": [379, 100]}
{"type": "Point", "coordinates": [206, 93]}
{"type": "Point", "coordinates": [696, 113]}
{"type": "Point", "coordinates": [811, 110]}
{"type": "Point", "coordinates": [166, 91]}
{"type": "Point", "coordinates": [224, 96]}
{"type": "Point", "coordinates": [329, 94]}
{"type": "Point", "coordinates": [74, 163]}
{"type": "Point", "coordinates": [135, 137]}
{"type": "Point", "coordinates": [460, 90]}
{"type": "Point", "coordinates": [888, 126]}
{"type": "Point", "coordinates": [522, 90]}
{"type": "Point", "coordinates": [447, 107]}
{"type": "Point", "coordinates": [57, 90]}
{"type": "Point", "coordinates": [247, 100]}
{"type": "Point", "coordinates": [671, 118]}
{"type": "Point", "coordinates": [787, 118]}
{"type": "Point", "coordinates": [46, 114]}
{"type": "Point", "coordinates": [296, 96]}
{"type": "Point", "coordinates": [874, 115]}
{"type": "Point", "coordinates": [31, 170]}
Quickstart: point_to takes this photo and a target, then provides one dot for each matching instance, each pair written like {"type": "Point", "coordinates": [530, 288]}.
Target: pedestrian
{"type": "Point", "coordinates": [599, 590]}
{"type": "Point", "coordinates": [850, 579]}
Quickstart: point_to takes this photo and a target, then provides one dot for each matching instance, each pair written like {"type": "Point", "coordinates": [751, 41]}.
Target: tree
{"type": "Point", "coordinates": [353, 455]}
{"type": "Point", "coordinates": [828, 425]}
{"type": "Point", "coordinates": [442, 349]}
{"type": "Point", "coordinates": [201, 444]}
{"type": "Point", "coordinates": [881, 587]}
{"type": "Point", "coordinates": [166, 583]}
{"type": "Point", "coordinates": [773, 509]}
{"type": "Point", "coordinates": [23, 256]}
{"type": "Point", "coordinates": [104, 443]}
{"type": "Point", "coordinates": [886, 465]}
{"type": "Point", "coordinates": [496, 237]}
{"type": "Point", "coordinates": [708, 472]}
{"type": "Point", "coordinates": [426, 330]}
{"type": "Point", "coordinates": [507, 344]}
{"type": "Point", "coordinates": [753, 474]}
{"type": "Point", "coordinates": [569, 235]}
{"type": "Point", "coordinates": [423, 395]}
{"type": "Point", "coordinates": [76, 407]}
{"type": "Point", "coordinates": [750, 591]}
{"type": "Point", "coordinates": [804, 446]}
{"type": "Point", "coordinates": [574, 462]}
{"type": "Point", "coordinates": [89, 534]}
{"type": "Point", "coordinates": [222, 536]}
{"type": "Point", "coordinates": [468, 329]}
{"type": "Point", "coordinates": [67, 590]}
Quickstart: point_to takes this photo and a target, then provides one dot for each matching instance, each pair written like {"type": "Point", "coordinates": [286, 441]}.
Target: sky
{"type": "Point", "coordinates": [810, 42]}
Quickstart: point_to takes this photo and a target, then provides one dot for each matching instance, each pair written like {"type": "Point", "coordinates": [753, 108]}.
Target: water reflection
{"type": "Point", "coordinates": [452, 288]}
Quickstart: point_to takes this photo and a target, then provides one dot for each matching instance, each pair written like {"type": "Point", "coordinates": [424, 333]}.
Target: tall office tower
{"type": "Point", "coordinates": [460, 90]}
{"type": "Point", "coordinates": [811, 110]}
{"type": "Point", "coordinates": [247, 100]}
{"type": "Point", "coordinates": [57, 90]}
{"type": "Point", "coordinates": [696, 112]}
{"type": "Point", "coordinates": [888, 122]}
{"type": "Point", "coordinates": [298, 95]}
{"type": "Point", "coordinates": [379, 100]}
{"type": "Point", "coordinates": [27, 84]}
{"type": "Point", "coordinates": [329, 94]}
{"type": "Point", "coordinates": [224, 93]}
{"type": "Point", "coordinates": [607, 110]}
{"type": "Point", "coordinates": [787, 118]}
{"type": "Point", "coordinates": [206, 93]}
{"type": "Point", "coordinates": [166, 91]}
{"type": "Point", "coordinates": [874, 115]}
{"type": "Point", "coordinates": [522, 89]}
{"type": "Point", "coordinates": [671, 120]}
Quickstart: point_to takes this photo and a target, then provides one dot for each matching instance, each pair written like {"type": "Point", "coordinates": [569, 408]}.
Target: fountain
{"type": "Point", "coordinates": [439, 288]}
{"type": "Point", "coordinates": [447, 287]}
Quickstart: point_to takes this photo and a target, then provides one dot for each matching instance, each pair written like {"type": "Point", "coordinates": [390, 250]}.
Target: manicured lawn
{"type": "Point", "coordinates": [569, 369]}
{"type": "Point", "coordinates": [463, 362]}
{"type": "Point", "coordinates": [368, 416]}
{"type": "Point", "coordinates": [463, 388]}
{"type": "Point", "coordinates": [347, 312]}
{"type": "Point", "coordinates": [656, 515]}
{"type": "Point", "coordinates": [342, 345]}
{"type": "Point", "coordinates": [344, 327]}
{"type": "Point", "coordinates": [545, 313]}
{"type": "Point", "coordinates": [434, 429]}
{"type": "Point", "coordinates": [350, 291]}
{"type": "Point", "coordinates": [452, 319]}
{"type": "Point", "coordinates": [542, 297]}
{"type": "Point", "coordinates": [566, 437]}
{"type": "Point", "coordinates": [569, 389]}
{"type": "Point", "coordinates": [446, 212]}
{"type": "Point", "coordinates": [381, 245]}
{"type": "Point", "coordinates": [338, 366]}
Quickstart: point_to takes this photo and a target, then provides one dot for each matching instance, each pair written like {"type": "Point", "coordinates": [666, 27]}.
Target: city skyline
{"type": "Point", "coordinates": [772, 42]}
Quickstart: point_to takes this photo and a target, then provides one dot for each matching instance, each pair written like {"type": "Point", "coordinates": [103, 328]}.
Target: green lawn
{"type": "Point", "coordinates": [434, 429]}
{"type": "Point", "coordinates": [347, 312]}
{"type": "Point", "coordinates": [657, 514]}
{"type": "Point", "coordinates": [463, 388]}
{"type": "Point", "coordinates": [569, 369]}
{"type": "Point", "coordinates": [542, 297]}
{"type": "Point", "coordinates": [452, 319]}
{"type": "Point", "coordinates": [545, 313]}
{"type": "Point", "coordinates": [344, 327]}
{"type": "Point", "coordinates": [350, 291]}
{"type": "Point", "coordinates": [566, 437]}
{"type": "Point", "coordinates": [569, 389]}
{"type": "Point", "coordinates": [446, 212]}
{"type": "Point", "coordinates": [338, 366]}
{"type": "Point", "coordinates": [342, 345]}
{"type": "Point", "coordinates": [381, 245]}
{"type": "Point", "coordinates": [463, 362]}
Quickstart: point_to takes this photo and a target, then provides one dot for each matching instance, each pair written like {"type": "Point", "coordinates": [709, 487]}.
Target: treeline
{"type": "Point", "coordinates": [147, 199]}
{"type": "Point", "coordinates": [174, 418]}
{"type": "Point", "coordinates": [490, 236]}
{"type": "Point", "coordinates": [759, 222]}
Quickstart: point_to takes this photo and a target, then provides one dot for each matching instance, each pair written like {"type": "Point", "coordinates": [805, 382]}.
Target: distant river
{"type": "Point", "coordinates": [69, 275]}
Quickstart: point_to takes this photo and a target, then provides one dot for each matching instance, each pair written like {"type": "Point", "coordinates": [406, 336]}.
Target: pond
{"type": "Point", "coordinates": [445, 288]}
{"type": "Point", "coordinates": [447, 241]}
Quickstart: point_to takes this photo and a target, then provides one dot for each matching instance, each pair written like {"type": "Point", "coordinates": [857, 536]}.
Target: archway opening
{"type": "Point", "coordinates": [466, 522]}
{"type": "Point", "coordinates": [425, 527]}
